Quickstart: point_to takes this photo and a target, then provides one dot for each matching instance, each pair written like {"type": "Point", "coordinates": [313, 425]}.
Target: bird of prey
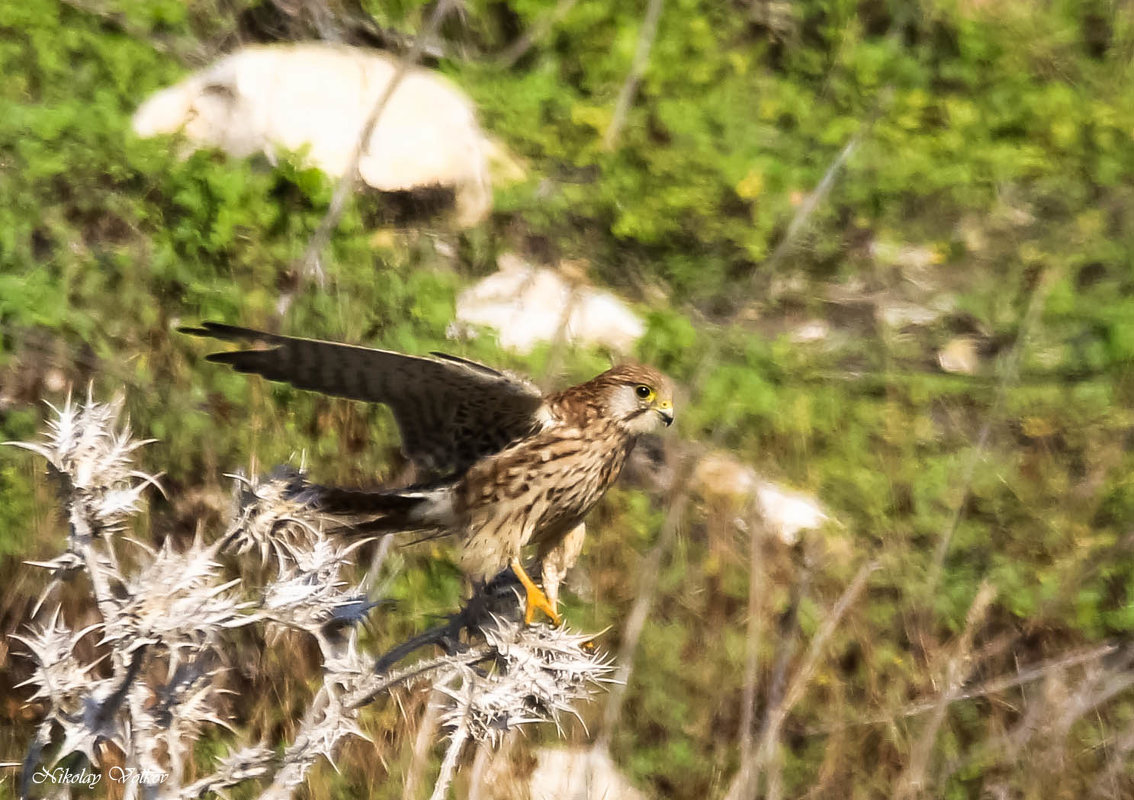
{"type": "Point", "coordinates": [507, 466]}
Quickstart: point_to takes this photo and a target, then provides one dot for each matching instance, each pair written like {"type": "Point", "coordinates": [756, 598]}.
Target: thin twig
{"type": "Point", "coordinates": [807, 208]}
{"type": "Point", "coordinates": [818, 195]}
{"type": "Point", "coordinates": [637, 70]}
{"type": "Point", "coordinates": [789, 638]}
{"type": "Point", "coordinates": [311, 264]}
{"type": "Point", "coordinates": [743, 784]}
{"type": "Point", "coordinates": [990, 687]}
{"type": "Point", "coordinates": [676, 514]}
{"type": "Point", "coordinates": [1008, 374]}
{"type": "Point", "coordinates": [1052, 719]}
{"type": "Point", "coordinates": [643, 602]}
{"type": "Point", "coordinates": [427, 728]}
{"type": "Point", "coordinates": [913, 782]}
{"type": "Point", "coordinates": [757, 532]}
{"type": "Point", "coordinates": [477, 772]}
{"type": "Point", "coordinates": [1106, 785]}
{"type": "Point", "coordinates": [519, 48]}
{"type": "Point", "coordinates": [562, 335]}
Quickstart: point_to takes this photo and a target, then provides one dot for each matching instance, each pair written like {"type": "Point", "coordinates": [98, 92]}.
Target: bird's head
{"type": "Point", "coordinates": [639, 397]}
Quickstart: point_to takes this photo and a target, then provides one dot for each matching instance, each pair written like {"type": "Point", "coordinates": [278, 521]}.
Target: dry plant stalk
{"type": "Point", "coordinates": [765, 755]}
{"type": "Point", "coordinates": [166, 616]}
{"type": "Point", "coordinates": [913, 783]}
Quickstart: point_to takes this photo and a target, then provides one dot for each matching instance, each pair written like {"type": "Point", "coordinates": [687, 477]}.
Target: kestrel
{"type": "Point", "coordinates": [506, 466]}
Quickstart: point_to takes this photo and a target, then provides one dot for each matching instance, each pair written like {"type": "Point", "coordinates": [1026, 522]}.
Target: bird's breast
{"type": "Point", "coordinates": [555, 477]}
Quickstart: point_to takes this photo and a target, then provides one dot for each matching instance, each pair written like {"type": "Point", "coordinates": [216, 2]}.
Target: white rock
{"type": "Point", "coordinates": [906, 256]}
{"type": "Point", "coordinates": [902, 315]}
{"type": "Point", "coordinates": [317, 96]}
{"type": "Point", "coordinates": [527, 305]}
{"type": "Point", "coordinates": [720, 477]}
{"type": "Point", "coordinates": [960, 355]}
{"type": "Point", "coordinates": [787, 513]}
{"type": "Point", "coordinates": [815, 330]}
{"type": "Point", "coordinates": [578, 774]}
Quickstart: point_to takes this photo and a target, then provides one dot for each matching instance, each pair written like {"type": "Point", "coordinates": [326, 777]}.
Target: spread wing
{"type": "Point", "coordinates": [451, 411]}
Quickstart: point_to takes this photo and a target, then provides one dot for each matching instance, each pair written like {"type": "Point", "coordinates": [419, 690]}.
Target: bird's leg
{"type": "Point", "coordinates": [536, 599]}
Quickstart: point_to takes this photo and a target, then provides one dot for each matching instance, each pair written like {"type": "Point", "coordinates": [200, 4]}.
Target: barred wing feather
{"type": "Point", "coordinates": [451, 412]}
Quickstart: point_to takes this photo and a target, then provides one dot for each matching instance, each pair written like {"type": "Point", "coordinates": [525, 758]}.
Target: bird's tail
{"type": "Point", "coordinates": [381, 510]}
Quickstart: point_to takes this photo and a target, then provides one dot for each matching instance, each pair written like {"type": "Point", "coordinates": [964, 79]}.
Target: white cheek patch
{"type": "Point", "coordinates": [623, 403]}
{"type": "Point", "coordinates": [645, 422]}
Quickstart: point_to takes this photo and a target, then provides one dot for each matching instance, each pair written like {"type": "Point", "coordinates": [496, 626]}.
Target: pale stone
{"type": "Point", "coordinates": [960, 355]}
{"type": "Point", "coordinates": [785, 513]}
{"type": "Point", "coordinates": [527, 305]}
{"type": "Point", "coordinates": [316, 98]}
{"type": "Point", "coordinates": [561, 773]}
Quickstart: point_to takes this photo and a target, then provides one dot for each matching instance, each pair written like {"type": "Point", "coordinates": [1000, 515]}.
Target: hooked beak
{"type": "Point", "coordinates": [666, 413]}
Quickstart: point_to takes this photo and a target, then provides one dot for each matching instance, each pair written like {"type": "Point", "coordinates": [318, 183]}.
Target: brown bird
{"type": "Point", "coordinates": [508, 466]}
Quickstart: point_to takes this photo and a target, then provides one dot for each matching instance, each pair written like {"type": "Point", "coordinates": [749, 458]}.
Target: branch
{"type": "Point", "coordinates": [637, 70]}
{"type": "Point", "coordinates": [743, 785]}
{"type": "Point", "coordinates": [521, 46]}
{"type": "Point", "coordinates": [1011, 366]}
{"type": "Point", "coordinates": [311, 264]}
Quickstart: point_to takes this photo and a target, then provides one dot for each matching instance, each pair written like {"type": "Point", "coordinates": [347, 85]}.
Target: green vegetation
{"type": "Point", "coordinates": [994, 145]}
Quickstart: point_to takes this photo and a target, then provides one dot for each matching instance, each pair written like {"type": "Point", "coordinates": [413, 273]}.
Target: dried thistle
{"type": "Point", "coordinates": [92, 454]}
{"type": "Point", "coordinates": [59, 676]}
{"type": "Point", "coordinates": [167, 612]}
{"type": "Point", "coordinates": [533, 674]}
{"type": "Point", "coordinates": [271, 518]}
{"type": "Point", "coordinates": [176, 600]}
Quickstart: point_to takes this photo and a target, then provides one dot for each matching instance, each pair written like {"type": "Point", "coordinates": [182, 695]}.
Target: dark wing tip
{"type": "Point", "coordinates": [226, 332]}
{"type": "Point", "coordinates": [225, 358]}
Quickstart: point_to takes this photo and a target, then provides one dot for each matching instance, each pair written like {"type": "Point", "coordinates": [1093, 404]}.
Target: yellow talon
{"type": "Point", "coordinates": [536, 599]}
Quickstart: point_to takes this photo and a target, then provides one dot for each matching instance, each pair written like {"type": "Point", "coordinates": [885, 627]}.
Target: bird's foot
{"type": "Point", "coordinates": [535, 599]}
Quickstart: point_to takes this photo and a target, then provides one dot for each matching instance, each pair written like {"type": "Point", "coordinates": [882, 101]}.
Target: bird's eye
{"type": "Point", "coordinates": [643, 391]}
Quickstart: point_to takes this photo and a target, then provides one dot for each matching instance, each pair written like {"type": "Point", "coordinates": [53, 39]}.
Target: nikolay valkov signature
{"type": "Point", "coordinates": [64, 776]}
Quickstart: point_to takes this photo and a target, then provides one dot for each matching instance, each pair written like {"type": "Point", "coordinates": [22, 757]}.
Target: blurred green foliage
{"type": "Point", "coordinates": [995, 139]}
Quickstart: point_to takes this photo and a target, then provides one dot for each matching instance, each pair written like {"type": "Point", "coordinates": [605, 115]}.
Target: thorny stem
{"type": "Point", "coordinates": [373, 685]}
{"type": "Point", "coordinates": [112, 703]}
{"type": "Point", "coordinates": [255, 766]}
{"type": "Point", "coordinates": [457, 741]}
{"type": "Point", "coordinates": [295, 757]}
{"type": "Point", "coordinates": [83, 524]}
{"type": "Point", "coordinates": [82, 534]}
{"type": "Point", "coordinates": [540, 673]}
